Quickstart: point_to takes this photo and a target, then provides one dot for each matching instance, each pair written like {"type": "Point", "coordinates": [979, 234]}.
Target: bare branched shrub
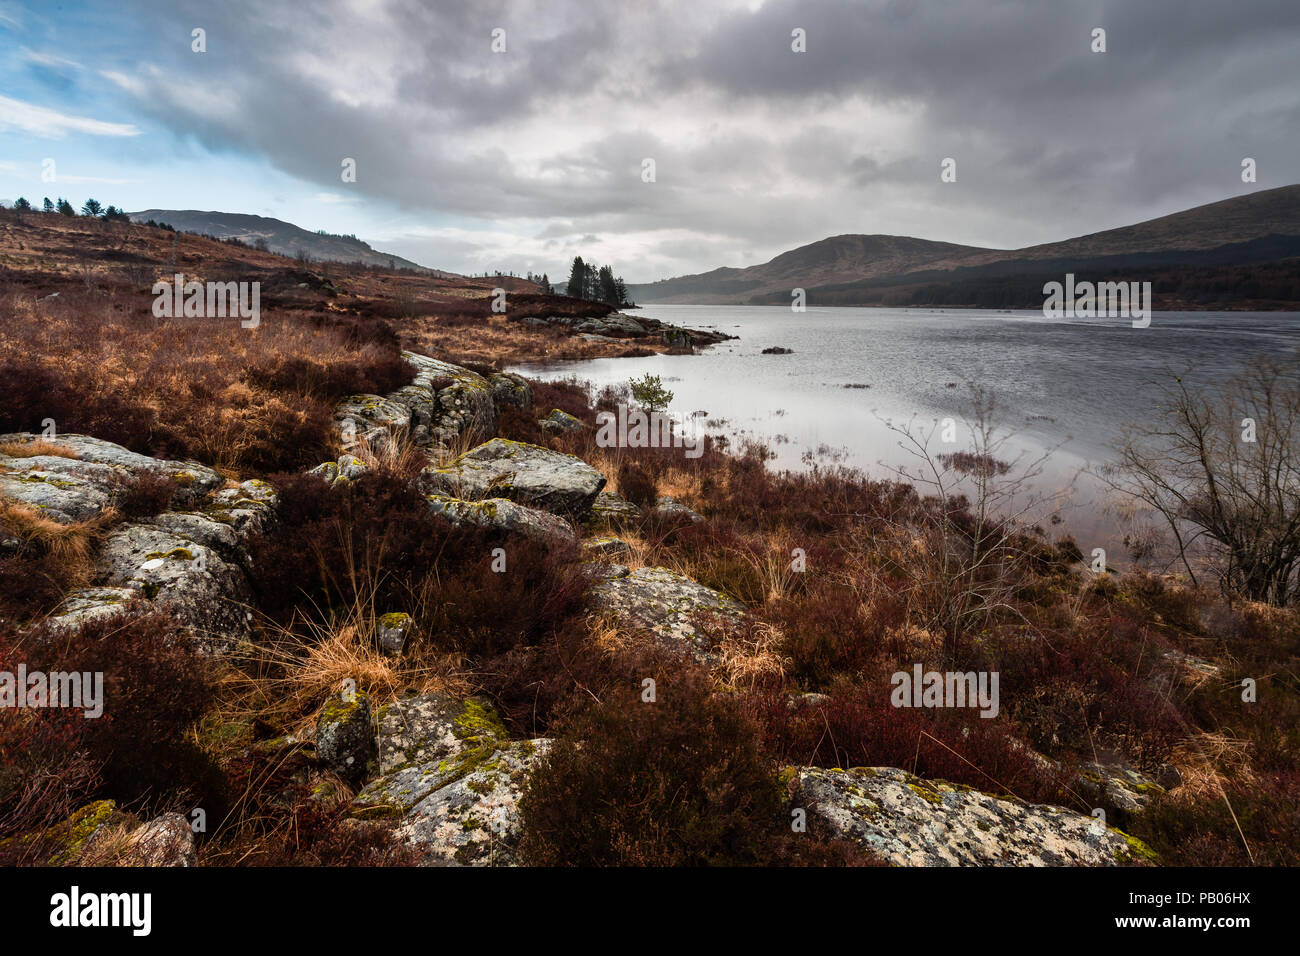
{"type": "Point", "coordinates": [965, 550]}
{"type": "Point", "coordinates": [1221, 467]}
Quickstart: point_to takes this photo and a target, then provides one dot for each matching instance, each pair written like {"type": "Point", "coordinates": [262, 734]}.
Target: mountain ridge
{"type": "Point", "coordinates": [1238, 227]}
{"type": "Point", "coordinates": [281, 237]}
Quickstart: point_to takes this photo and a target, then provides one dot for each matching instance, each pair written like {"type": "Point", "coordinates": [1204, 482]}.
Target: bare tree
{"type": "Point", "coordinates": [1221, 467]}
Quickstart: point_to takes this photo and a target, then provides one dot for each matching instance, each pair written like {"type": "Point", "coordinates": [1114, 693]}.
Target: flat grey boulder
{"type": "Point", "coordinates": [909, 821]}
{"type": "Point", "coordinates": [504, 515]}
{"type": "Point", "coordinates": [676, 610]}
{"type": "Point", "coordinates": [527, 474]}
{"type": "Point", "coordinates": [88, 604]}
{"type": "Point", "coordinates": [55, 492]}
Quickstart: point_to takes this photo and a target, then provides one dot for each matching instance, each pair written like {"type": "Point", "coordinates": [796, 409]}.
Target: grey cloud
{"type": "Point", "coordinates": [1051, 139]}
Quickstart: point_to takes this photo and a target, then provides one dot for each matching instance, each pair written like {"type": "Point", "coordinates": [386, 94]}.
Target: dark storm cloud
{"type": "Point", "coordinates": [757, 148]}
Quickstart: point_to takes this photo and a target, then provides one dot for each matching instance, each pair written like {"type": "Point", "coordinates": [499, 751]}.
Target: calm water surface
{"type": "Point", "coordinates": [1065, 385]}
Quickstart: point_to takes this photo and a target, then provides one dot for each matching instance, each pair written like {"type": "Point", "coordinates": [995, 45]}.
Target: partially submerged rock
{"type": "Point", "coordinates": [678, 611]}
{"type": "Point", "coordinates": [909, 821]}
{"type": "Point", "coordinates": [527, 474]}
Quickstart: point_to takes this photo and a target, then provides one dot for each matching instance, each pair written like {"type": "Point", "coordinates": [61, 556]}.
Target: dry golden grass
{"type": "Point", "coordinates": [72, 544]}
{"type": "Point", "coordinates": [1208, 762]}
{"type": "Point", "coordinates": [33, 449]}
{"type": "Point", "coordinates": [752, 658]}
{"type": "Point", "coordinates": [112, 845]}
{"type": "Point", "coordinates": [498, 341]}
{"type": "Point", "coordinates": [189, 374]}
{"type": "Point", "coordinates": [287, 682]}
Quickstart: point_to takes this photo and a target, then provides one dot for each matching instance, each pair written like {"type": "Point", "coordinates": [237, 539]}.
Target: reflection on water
{"type": "Point", "coordinates": [1065, 385]}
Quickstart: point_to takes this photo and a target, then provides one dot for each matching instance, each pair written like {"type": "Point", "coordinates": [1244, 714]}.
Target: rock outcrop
{"type": "Point", "coordinates": [452, 780]}
{"type": "Point", "coordinates": [676, 610]}
{"type": "Point", "coordinates": [560, 421]}
{"type": "Point", "coordinates": [909, 821]}
{"type": "Point", "coordinates": [190, 561]}
{"type": "Point", "coordinates": [94, 478]}
{"type": "Point", "coordinates": [622, 325]}
{"type": "Point", "coordinates": [610, 509]}
{"type": "Point", "coordinates": [443, 403]}
{"type": "Point", "coordinates": [526, 474]}
{"type": "Point", "coordinates": [505, 516]}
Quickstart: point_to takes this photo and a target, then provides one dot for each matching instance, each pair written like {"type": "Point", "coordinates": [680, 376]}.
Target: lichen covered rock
{"type": "Point", "coordinates": [452, 780]}
{"type": "Point", "coordinates": [611, 509]}
{"type": "Point", "coordinates": [75, 489]}
{"type": "Point", "coordinates": [560, 421]}
{"type": "Point", "coordinates": [345, 741]}
{"type": "Point", "coordinates": [509, 389]}
{"type": "Point", "coordinates": [527, 474]}
{"type": "Point", "coordinates": [909, 821]}
{"type": "Point", "coordinates": [189, 580]}
{"type": "Point", "coordinates": [504, 515]}
{"type": "Point", "coordinates": [393, 631]}
{"type": "Point", "coordinates": [678, 611]}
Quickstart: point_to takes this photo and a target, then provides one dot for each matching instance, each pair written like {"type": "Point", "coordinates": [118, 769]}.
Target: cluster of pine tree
{"type": "Point", "coordinates": [598, 285]}
{"type": "Point", "coordinates": [91, 207]}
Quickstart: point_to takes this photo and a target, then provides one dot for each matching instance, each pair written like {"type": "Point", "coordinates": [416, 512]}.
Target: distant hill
{"type": "Point", "coordinates": [1204, 256]}
{"type": "Point", "coordinates": [281, 237]}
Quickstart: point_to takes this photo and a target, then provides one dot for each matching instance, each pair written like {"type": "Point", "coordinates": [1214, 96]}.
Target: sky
{"type": "Point", "coordinates": [473, 159]}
